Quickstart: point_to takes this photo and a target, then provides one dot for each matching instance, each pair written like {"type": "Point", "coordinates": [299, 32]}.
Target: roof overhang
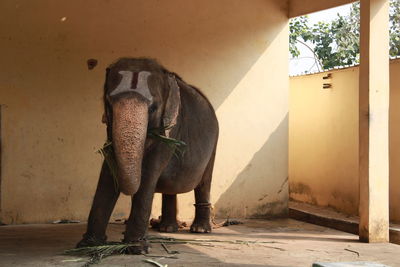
{"type": "Point", "coordinates": [303, 7]}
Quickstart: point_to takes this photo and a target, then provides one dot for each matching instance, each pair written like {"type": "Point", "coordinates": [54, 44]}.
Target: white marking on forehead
{"type": "Point", "coordinates": [126, 83]}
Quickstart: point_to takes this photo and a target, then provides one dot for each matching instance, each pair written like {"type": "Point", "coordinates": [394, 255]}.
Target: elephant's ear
{"type": "Point", "coordinates": [172, 105]}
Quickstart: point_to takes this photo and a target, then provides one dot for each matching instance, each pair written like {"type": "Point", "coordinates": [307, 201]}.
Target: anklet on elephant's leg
{"type": "Point", "coordinates": [202, 205]}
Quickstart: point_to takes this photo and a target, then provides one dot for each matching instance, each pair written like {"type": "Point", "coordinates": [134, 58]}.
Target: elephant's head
{"type": "Point", "coordinates": [138, 95]}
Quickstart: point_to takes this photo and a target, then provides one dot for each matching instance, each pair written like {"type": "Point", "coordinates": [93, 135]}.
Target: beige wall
{"type": "Point", "coordinates": [235, 50]}
{"type": "Point", "coordinates": [323, 140]}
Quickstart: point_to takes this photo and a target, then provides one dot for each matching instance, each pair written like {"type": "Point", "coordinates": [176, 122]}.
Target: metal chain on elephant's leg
{"type": "Point", "coordinates": [205, 205]}
{"type": "Point", "coordinates": [212, 211]}
{"type": "Point", "coordinates": [216, 225]}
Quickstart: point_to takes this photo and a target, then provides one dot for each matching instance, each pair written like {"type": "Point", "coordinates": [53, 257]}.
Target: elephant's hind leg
{"type": "Point", "coordinates": [103, 204]}
{"type": "Point", "coordinates": [168, 221]}
{"type": "Point", "coordinates": [202, 220]}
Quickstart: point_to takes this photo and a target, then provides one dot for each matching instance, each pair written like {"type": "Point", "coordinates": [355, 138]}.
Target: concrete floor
{"type": "Point", "coordinates": [293, 243]}
{"type": "Point", "coordinates": [327, 216]}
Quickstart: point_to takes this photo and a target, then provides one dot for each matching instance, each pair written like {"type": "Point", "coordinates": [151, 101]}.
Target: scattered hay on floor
{"type": "Point", "coordinates": [156, 263]}
{"type": "Point", "coordinates": [225, 223]}
{"type": "Point", "coordinates": [97, 253]}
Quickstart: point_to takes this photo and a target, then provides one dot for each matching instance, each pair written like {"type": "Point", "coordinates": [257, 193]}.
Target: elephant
{"type": "Point", "coordinates": [140, 94]}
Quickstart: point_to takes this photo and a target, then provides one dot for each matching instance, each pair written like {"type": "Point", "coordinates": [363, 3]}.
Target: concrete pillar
{"type": "Point", "coordinates": [374, 121]}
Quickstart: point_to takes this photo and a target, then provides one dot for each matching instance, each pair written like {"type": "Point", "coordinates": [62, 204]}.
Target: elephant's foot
{"type": "Point", "coordinates": [91, 241]}
{"type": "Point", "coordinates": [137, 247]}
{"type": "Point", "coordinates": [167, 225]}
{"type": "Point", "coordinates": [201, 225]}
{"type": "Point", "coordinates": [202, 222]}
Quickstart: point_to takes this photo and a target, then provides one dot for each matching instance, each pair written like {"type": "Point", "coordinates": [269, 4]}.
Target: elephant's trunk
{"type": "Point", "coordinates": [129, 129]}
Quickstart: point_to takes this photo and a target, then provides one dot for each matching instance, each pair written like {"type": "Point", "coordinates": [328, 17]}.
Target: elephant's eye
{"type": "Point", "coordinates": [152, 108]}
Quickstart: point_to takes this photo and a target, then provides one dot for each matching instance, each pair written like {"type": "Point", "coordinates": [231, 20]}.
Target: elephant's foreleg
{"type": "Point", "coordinates": [168, 221]}
{"type": "Point", "coordinates": [103, 204]}
{"type": "Point", "coordinates": [138, 222]}
{"type": "Point", "coordinates": [202, 219]}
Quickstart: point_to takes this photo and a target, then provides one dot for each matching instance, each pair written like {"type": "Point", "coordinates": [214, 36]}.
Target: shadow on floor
{"type": "Point", "coordinates": [43, 245]}
{"type": "Point", "coordinates": [274, 243]}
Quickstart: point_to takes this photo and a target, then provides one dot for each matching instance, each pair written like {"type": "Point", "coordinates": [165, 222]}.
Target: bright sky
{"type": "Point", "coordinates": [305, 61]}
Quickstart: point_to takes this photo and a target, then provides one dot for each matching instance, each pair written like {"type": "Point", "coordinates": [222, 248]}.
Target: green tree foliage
{"type": "Point", "coordinates": [394, 27]}
{"type": "Point", "coordinates": [337, 43]}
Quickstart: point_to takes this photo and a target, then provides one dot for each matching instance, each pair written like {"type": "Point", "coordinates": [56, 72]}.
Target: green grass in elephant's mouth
{"type": "Point", "coordinates": [107, 151]}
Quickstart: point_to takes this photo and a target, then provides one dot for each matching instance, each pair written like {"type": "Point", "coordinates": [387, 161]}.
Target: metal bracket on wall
{"type": "Point", "coordinates": [327, 85]}
{"type": "Point", "coordinates": [328, 76]}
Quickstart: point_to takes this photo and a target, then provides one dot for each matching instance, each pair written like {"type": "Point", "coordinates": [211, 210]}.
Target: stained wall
{"type": "Point", "coordinates": [323, 140]}
{"type": "Point", "coordinates": [235, 50]}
